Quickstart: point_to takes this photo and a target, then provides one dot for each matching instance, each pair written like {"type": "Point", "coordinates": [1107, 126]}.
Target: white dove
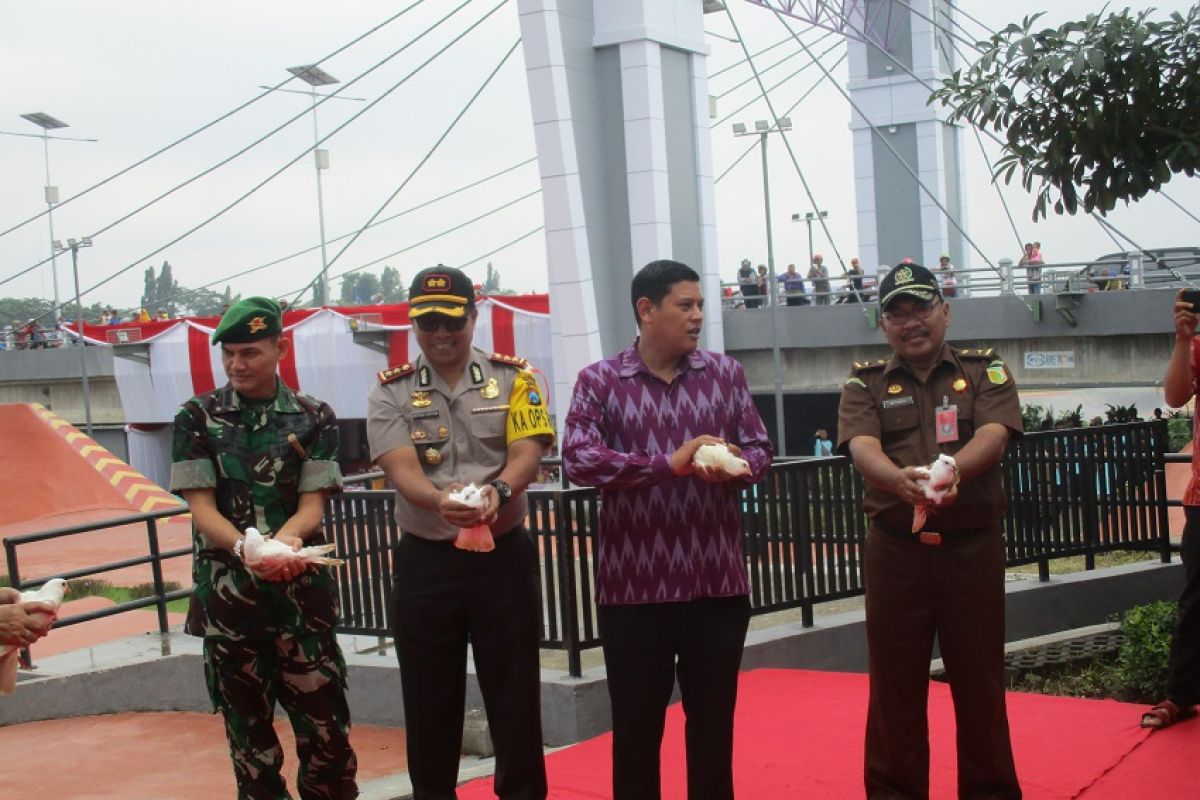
{"type": "Point", "coordinates": [718, 455]}
{"type": "Point", "coordinates": [51, 594]}
{"type": "Point", "coordinates": [939, 478]}
{"type": "Point", "coordinates": [477, 539]}
{"type": "Point", "coordinates": [469, 495]}
{"type": "Point", "coordinates": [259, 551]}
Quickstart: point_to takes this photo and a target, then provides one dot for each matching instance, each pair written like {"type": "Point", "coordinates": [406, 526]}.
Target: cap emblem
{"type": "Point", "coordinates": [435, 282]}
{"type": "Point", "coordinates": [904, 275]}
{"type": "Point", "coordinates": [256, 324]}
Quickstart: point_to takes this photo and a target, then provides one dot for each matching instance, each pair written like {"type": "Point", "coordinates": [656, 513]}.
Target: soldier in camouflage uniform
{"type": "Point", "coordinates": [253, 453]}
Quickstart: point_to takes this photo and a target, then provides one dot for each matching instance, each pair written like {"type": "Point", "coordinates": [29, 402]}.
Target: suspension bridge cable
{"type": "Point", "coordinates": [786, 113]}
{"type": "Point", "coordinates": [955, 8]}
{"type": "Point", "coordinates": [208, 125]}
{"type": "Point", "coordinates": [424, 159]}
{"type": "Point", "coordinates": [440, 234]}
{"type": "Point", "coordinates": [739, 62]}
{"type": "Point", "coordinates": [491, 252]}
{"type": "Point", "coordinates": [258, 141]}
{"type": "Point", "coordinates": [921, 184]}
{"type": "Point", "coordinates": [260, 267]}
{"type": "Point", "coordinates": [781, 61]}
{"type": "Point", "coordinates": [779, 83]}
{"type": "Point", "coordinates": [787, 144]}
{"type": "Point", "coordinates": [1175, 203]}
{"type": "Point", "coordinates": [275, 174]}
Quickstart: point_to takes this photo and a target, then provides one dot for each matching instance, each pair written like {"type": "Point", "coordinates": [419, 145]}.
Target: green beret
{"type": "Point", "coordinates": [248, 321]}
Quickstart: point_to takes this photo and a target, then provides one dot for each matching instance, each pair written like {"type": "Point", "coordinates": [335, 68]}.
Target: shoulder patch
{"type": "Point", "coordinates": [392, 373]}
{"type": "Point", "coordinates": [867, 366]}
{"type": "Point", "coordinates": [852, 381]}
{"type": "Point", "coordinates": [512, 361]}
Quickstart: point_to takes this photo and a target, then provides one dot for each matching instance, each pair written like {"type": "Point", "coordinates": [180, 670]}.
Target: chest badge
{"type": "Point", "coordinates": [895, 388]}
{"type": "Point", "coordinates": [491, 391]}
{"type": "Point", "coordinates": [420, 399]}
{"type": "Point", "coordinates": [443, 431]}
{"type": "Point", "coordinates": [959, 385]}
{"type": "Point", "coordinates": [419, 436]}
{"type": "Point", "coordinates": [433, 456]}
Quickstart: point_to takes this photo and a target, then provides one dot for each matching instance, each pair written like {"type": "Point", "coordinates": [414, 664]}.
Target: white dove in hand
{"type": "Point", "coordinates": [939, 479]}
{"type": "Point", "coordinates": [718, 455]}
{"type": "Point", "coordinates": [262, 553]}
{"type": "Point", "coordinates": [470, 496]}
{"type": "Point", "coordinates": [477, 539]}
{"type": "Point", "coordinates": [51, 595]}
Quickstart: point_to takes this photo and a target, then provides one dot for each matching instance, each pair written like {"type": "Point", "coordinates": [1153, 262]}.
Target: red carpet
{"type": "Point", "coordinates": [800, 734]}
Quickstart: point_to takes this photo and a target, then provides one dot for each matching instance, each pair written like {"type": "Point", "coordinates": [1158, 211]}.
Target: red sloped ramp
{"type": "Point", "coordinates": [53, 475]}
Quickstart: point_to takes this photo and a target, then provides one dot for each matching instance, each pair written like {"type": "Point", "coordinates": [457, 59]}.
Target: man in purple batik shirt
{"type": "Point", "coordinates": [671, 584]}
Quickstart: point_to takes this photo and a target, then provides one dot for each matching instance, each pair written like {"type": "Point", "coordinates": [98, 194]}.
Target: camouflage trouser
{"type": "Point", "coordinates": [307, 675]}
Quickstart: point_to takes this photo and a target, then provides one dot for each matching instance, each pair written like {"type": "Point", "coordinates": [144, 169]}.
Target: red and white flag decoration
{"type": "Point", "coordinates": [159, 365]}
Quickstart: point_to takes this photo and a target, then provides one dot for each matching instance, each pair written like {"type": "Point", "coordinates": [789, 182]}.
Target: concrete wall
{"type": "Point", "coordinates": [1122, 339]}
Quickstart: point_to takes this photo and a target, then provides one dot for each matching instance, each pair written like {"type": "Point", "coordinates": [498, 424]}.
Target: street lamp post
{"type": "Point", "coordinates": [761, 128]}
{"type": "Point", "coordinates": [73, 245]}
{"type": "Point", "coordinates": [48, 123]}
{"type": "Point", "coordinates": [316, 77]}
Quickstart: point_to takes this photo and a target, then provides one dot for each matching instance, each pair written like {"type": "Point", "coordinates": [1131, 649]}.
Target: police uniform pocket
{"type": "Point", "coordinates": [899, 419]}
{"type": "Point", "coordinates": [488, 426]}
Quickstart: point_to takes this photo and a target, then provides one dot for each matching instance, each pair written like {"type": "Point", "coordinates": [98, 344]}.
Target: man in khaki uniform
{"type": "Point", "coordinates": [458, 416]}
{"type": "Point", "coordinates": [947, 579]}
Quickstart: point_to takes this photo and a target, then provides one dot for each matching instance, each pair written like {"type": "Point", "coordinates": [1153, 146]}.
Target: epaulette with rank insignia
{"type": "Point", "coordinates": [392, 373]}
{"type": "Point", "coordinates": [512, 361]}
{"type": "Point", "coordinates": [867, 366]}
{"type": "Point", "coordinates": [978, 354]}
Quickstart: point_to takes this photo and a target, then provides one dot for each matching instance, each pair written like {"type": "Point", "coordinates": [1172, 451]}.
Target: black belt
{"type": "Point", "coordinates": [929, 537]}
{"type": "Point", "coordinates": [416, 537]}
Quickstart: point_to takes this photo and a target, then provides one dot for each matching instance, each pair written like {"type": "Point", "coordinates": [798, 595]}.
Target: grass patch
{"type": "Point", "coordinates": [1069, 564]}
{"type": "Point", "coordinates": [95, 587]}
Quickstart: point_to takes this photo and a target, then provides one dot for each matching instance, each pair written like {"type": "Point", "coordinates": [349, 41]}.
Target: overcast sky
{"type": "Point", "coordinates": [138, 74]}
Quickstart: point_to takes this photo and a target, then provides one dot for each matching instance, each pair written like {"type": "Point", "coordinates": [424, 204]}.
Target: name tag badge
{"type": "Point", "coordinates": [946, 421]}
{"type": "Point", "coordinates": [897, 402]}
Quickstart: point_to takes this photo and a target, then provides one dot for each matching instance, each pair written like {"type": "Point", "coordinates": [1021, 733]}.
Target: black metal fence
{"type": "Point", "coordinates": [1071, 493]}
{"type": "Point", "coordinates": [1076, 492]}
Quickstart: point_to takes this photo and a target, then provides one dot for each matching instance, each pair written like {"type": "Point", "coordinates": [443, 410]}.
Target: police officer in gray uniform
{"type": "Point", "coordinates": [458, 416]}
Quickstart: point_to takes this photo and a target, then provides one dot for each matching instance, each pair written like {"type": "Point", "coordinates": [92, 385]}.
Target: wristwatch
{"type": "Point", "coordinates": [503, 490]}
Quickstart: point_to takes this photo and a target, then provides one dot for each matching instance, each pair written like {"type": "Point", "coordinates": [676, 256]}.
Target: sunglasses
{"type": "Point", "coordinates": [431, 322]}
{"type": "Point", "coordinates": [922, 312]}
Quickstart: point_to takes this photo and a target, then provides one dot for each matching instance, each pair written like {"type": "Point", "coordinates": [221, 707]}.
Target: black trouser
{"type": "Point", "coordinates": [442, 596]}
{"type": "Point", "coordinates": [1183, 686]}
{"type": "Point", "coordinates": [954, 591]}
{"type": "Point", "coordinates": [645, 648]}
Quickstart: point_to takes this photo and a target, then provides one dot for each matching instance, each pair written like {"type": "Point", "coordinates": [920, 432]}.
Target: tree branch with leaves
{"type": "Point", "coordinates": [1091, 112]}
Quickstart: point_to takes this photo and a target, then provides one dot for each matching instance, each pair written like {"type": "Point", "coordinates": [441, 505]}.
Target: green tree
{"type": "Point", "coordinates": [349, 282]}
{"type": "Point", "coordinates": [1108, 105]}
{"type": "Point", "coordinates": [367, 287]}
{"type": "Point", "coordinates": [491, 284]}
{"type": "Point", "coordinates": [392, 286]}
{"type": "Point", "coordinates": [201, 302]}
{"type": "Point", "coordinates": [166, 292]}
{"type": "Point", "coordinates": [150, 290]}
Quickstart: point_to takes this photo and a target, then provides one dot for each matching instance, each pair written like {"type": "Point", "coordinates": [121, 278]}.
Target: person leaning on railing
{"type": "Point", "coordinates": [1179, 386]}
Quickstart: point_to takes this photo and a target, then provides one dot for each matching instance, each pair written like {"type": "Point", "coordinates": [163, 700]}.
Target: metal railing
{"type": "Point", "coordinates": [154, 557]}
{"type": "Point", "coordinates": [1070, 493]}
